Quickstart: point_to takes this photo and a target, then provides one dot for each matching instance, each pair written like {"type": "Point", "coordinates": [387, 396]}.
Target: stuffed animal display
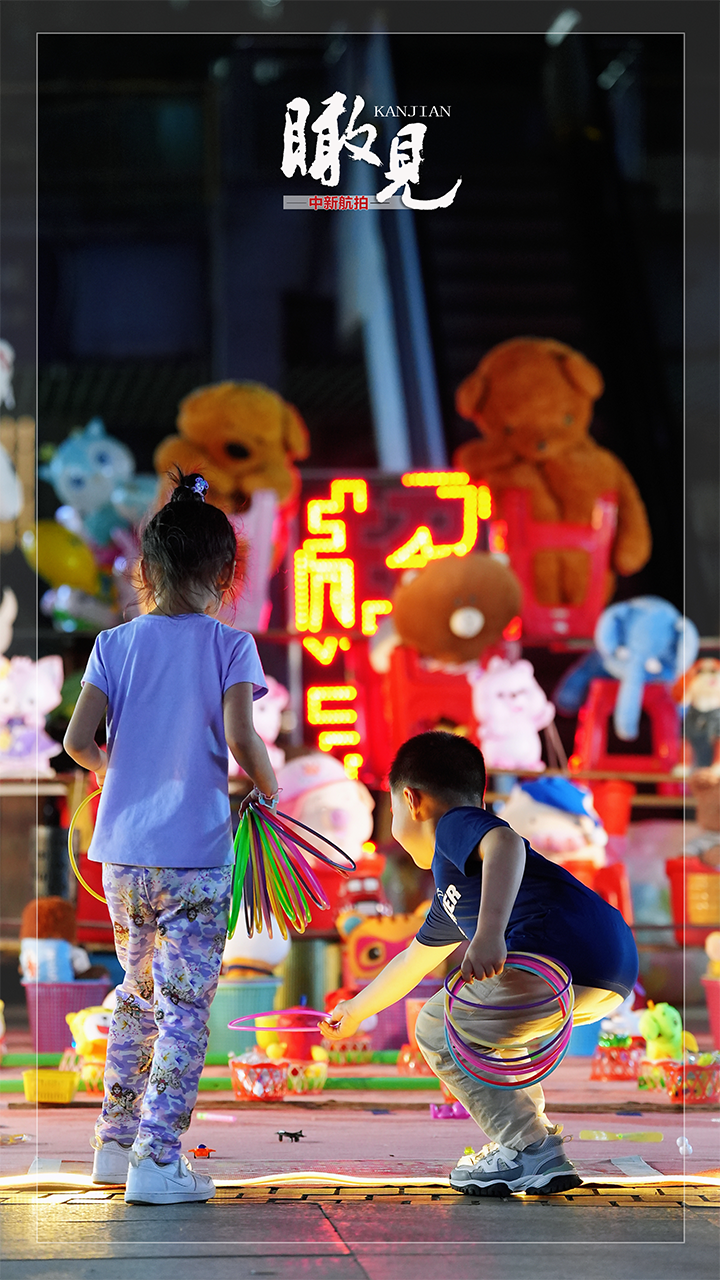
{"type": "Point", "coordinates": [509, 707]}
{"type": "Point", "coordinates": [558, 819]}
{"type": "Point", "coordinates": [698, 692]}
{"type": "Point", "coordinates": [247, 959]}
{"type": "Point", "coordinates": [449, 612]}
{"type": "Point", "coordinates": [640, 641]}
{"type": "Point", "coordinates": [93, 475]}
{"type": "Point", "coordinates": [28, 691]}
{"type": "Point", "coordinates": [532, 399]}
{"type": "Point", "coordinates": [242, 437]}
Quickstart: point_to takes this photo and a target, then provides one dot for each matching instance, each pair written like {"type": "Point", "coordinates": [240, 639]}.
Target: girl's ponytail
{"type": "Point", "coordinates": [190, 488]}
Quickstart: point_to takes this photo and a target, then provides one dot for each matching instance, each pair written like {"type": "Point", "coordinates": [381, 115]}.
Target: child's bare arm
{"type": "Point", "coordinates": [396, 979]}
{"type": "Point", "coordinates": [503, 857]}
{"type": "Point", "coordinates": [243, 739]}
{"type": "Point", "coordinates": [79, 740]}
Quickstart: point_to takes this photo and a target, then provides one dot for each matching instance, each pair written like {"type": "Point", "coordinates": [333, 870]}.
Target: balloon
{"type": "Point", "coordinates": [61, 558]}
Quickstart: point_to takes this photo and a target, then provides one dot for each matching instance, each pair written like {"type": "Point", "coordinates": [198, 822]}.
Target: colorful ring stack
{"type": "Point", "coordinates": [272, 880]}
{"type": "Point", "coordinates": [534, 1064]}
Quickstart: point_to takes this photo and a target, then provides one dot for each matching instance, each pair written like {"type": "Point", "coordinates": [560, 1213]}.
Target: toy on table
{"type": "Point", "coordinates": [201, 1152]}
{"type": "Point", "coordinates": [48, 950]}
{"type": "Point", "coordinates": [698, 692]}
{"type": "Point", "coordinates": [532, 1065]}
{"type": "Point", "coordinates": [620, 1049]}
{"type": "Point", "coordinates": [532, 399]}
{"type": "Point", "coordinates": [317, 793]}
{"type": "Point", "coordinates": [510, 708]}
{"type": "Point", "coordinates": [243, 438]}
{"type": "Point", "coordinates": [82, 595]}
{"type": "Point", "coordinates": [450, 611]}
{"type": "Point", "coordinates": [84, 471]}
{"type": "Point", "coordinates": [641, 642]}
{"type": "Point", "coordinates": [89, 1029]}
{"type": "Point", "coordinates": [256, 1077]}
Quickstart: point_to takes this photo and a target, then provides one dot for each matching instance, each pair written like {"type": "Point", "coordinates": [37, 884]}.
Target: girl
{"type": "Point", "coordinates": [178, 686]}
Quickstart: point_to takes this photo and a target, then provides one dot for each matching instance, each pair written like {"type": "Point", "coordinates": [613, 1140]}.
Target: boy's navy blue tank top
{"type": "Point", "coordinates": [553, 915]}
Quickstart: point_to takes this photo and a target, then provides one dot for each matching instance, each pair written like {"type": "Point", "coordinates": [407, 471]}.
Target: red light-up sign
{"type": "Point", "coordinates": [358, 536]}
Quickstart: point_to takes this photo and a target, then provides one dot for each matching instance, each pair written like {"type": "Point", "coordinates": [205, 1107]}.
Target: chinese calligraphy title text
{"type": "Point", "coordinates": [406, 149]}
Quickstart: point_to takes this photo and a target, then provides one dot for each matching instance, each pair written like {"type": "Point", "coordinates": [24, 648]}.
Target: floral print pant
{"type": "Point", "coordinates": [170, 925]}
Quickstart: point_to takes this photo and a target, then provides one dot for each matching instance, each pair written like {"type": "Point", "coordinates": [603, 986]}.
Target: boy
{"type": "Point", "coordinates": [492, 888]}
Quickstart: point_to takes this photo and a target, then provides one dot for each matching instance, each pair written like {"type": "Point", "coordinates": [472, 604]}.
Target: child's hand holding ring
{"type": "Point", "coordinates": [340, 1023]}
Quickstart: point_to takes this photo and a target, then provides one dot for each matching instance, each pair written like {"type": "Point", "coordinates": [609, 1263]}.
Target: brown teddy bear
{"type": "Point", "coordinates": [532, 399]}
{"type": "Point", "coordinates": [240, 436]}
{"type": "Point", "coordinates": [451, 611]}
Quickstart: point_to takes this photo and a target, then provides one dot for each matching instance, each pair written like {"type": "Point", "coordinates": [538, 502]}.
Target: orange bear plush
{"type": "Point", "coordinates": [532, 399]}
{"type": "Point", "coordinates": [240, 436]}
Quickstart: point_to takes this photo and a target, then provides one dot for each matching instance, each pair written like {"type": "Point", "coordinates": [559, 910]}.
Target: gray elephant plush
{"type": "Point", "coordinates": [636, 642]}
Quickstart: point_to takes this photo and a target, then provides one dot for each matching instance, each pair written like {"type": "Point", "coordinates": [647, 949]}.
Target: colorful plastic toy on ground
{"type": "Point", "coordinates": [294, 1135]}
{"type": "Point", "coordinates": [510, 708]}
{"type": "Point", "coordinates": [661, 1026]}
{"type": "Point", "coordinates": [201, 1152]}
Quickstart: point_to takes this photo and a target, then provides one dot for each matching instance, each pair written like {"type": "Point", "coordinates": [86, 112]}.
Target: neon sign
{"type": "Point", "coordinates": [358, 537]}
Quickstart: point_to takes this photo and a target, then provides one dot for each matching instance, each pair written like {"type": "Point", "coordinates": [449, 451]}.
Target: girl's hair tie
{"type": "Point", "coordinates": [190, 487]}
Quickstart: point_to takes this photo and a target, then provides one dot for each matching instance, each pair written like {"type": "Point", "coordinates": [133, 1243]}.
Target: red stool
{"type": "Point", "coordinates": [417, 699]}
{"type": "Point", "coordinates": [591, 736]}
{"type": "Point", "coordinates": [522, 537]}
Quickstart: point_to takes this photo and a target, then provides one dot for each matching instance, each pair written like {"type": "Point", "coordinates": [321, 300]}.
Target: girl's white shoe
{"type": "Point", "coordinates": [110, 1164]}
{"type": "Point", "coordinates": [175, 1183]}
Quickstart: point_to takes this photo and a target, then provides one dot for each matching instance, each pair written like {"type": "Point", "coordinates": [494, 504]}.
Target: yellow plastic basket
{"type": "Point", "coordinates": [46, 1085]}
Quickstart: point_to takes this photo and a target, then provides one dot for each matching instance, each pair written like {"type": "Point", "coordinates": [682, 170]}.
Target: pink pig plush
{"type": "Point", "coordinates": [510, 707]}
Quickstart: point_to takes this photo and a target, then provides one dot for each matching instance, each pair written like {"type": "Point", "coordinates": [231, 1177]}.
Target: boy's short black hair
{"type": "Point", "coordinates": [447, 767]}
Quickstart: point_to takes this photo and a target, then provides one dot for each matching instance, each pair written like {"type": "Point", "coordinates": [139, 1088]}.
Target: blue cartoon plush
{"type": "Point", "coordinates": [94, 474]}
{"type": "Point", "coordinates": [636, 641]}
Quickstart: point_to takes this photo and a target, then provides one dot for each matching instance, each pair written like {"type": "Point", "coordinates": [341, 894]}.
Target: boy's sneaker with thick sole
{"type": "Point", "coordinates": [110, 1164]}
{"type": "Point", "coordinates": [499, 1171]}
{"type": "Point", "coordinates": [174, 1183]}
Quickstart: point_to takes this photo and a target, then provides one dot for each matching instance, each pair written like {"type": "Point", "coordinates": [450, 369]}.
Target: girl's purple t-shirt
{"type": "Point", "coordinates": [165, 797]}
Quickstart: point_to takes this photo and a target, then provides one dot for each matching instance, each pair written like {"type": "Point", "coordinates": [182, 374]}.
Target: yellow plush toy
{"type": "Point", "coordinates": [89, 1029]}
{"type": "Point", "coordinates": [240, 436]}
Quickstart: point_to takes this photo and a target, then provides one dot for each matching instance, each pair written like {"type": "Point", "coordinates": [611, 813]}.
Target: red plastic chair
{"type": "Point", "coordinates": [591, 736]}
{"type": "Point", "coordinates": [523, 537]}
{"type": "Point", "coordinates": [418, 699]}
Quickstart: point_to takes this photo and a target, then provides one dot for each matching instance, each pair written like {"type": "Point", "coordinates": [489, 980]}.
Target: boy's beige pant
{"type": "Point", "coordinates": [512, 1117]}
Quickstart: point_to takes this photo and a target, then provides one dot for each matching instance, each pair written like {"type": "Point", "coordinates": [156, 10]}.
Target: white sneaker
{"type": "Point", "coordinates": [151, 1183]}
{"type": "Point", "coordinates": [110, 1164]}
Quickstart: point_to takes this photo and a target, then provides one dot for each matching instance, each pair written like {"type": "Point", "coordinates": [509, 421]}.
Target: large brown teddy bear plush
{"type": "Point", "coordinates": [532, 399]}
{"type": "Point", "coordinates": [240, 436]}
